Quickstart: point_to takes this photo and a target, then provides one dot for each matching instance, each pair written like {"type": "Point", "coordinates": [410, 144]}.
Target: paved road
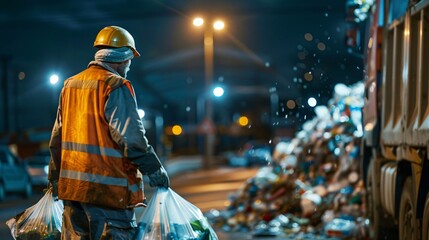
{"type": "Point", "coordinates": [205, 189]}
{"type": "Point", "coordinates": [209, 189]}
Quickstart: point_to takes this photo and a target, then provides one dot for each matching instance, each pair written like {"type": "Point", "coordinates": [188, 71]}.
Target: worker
{"type": "Point", "coordinates": [98, 146]}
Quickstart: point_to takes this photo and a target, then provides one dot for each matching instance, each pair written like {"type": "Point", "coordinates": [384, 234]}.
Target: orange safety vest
{"type": "Point", "coordinates": [93, 168]}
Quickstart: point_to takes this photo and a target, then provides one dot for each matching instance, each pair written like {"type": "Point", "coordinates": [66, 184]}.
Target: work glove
{"type": "Point", "coordinates": [159, 178]}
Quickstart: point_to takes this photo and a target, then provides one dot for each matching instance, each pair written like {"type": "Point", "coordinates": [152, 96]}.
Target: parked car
{"type": "Point", "coordinates": [38, 167]}
{"type": "Point", "coordinates": [13, 175]}
{"type": "Point", "coordinates": [253, 153]}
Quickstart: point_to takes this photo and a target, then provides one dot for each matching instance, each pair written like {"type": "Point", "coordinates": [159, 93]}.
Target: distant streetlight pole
{"type": "Point", "coordinates": [53, 80]}
{"type": "Point", "coordinates": [208, 68]}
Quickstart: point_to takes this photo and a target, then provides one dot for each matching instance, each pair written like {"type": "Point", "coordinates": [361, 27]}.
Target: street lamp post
{"type": "Point", "coordinates": [53, 80]}
{"type": "Point", "coordinates": [208, 77]}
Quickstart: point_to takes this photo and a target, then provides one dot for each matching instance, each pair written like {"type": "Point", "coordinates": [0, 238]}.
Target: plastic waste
{"type": "Point", "coordinates": [340, 228]}
{"type": "Point", "coordinates": [170, 217]}
{"type": "Point", "coordinates": [43, 220]}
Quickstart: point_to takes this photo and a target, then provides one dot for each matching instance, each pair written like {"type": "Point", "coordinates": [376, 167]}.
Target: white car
{"type": "Point", "coordinates": [13, 175]}
{"type": "Point", "coordinates": [38, 167]}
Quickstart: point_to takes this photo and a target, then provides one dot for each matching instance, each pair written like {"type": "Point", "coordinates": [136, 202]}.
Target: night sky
{"type": "Point", "coordinates": [294, 49]}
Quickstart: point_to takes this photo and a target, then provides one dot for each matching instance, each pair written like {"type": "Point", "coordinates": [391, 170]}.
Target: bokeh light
{"type": "Point", "coordinates": [243, 121]}
{"type": "Point", "coordinates": [176, 130]}
{"type": "Point", "coordinates": [312, 102]}
{"type": "Point", "coordinates": [21, 75]}
{"type": "Point", "coordinates": [308, 76]}
{"type": "Point", "coordinates": [218, 25]}
{"type": "Point", "coordinates": [291, 104]}
{"type": "Point", "coordinates": [198, 22]}
{"type": "Point", "coordinates": [54, 79]}
{"type": "Point", "coordinates": [308, 37]}
{"type": "Point", "coordinates": [321, 46]}
{"type": "Point", "coordinates": [218, 91]}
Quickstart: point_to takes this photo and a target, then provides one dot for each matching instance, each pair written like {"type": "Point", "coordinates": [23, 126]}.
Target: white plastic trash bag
{"type": "Point", "coordinates": [170, 217]}
{"type": "Point", "coordinates": [43, 220]}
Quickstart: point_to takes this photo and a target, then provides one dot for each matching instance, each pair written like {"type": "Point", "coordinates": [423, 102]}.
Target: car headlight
{"type": "Point", "coordinates": [46, 169]}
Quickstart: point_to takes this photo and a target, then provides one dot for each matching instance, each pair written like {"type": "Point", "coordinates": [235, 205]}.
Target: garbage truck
{"type": "Point", "coordinates": [395, 143]}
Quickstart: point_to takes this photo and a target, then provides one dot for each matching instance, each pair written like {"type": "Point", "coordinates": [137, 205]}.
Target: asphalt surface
{"type": "Point", "coordinates": [207, 189]}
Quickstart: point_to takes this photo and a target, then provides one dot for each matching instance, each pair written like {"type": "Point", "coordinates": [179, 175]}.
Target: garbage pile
{"type": "Point", "coordinates": [313, 185]}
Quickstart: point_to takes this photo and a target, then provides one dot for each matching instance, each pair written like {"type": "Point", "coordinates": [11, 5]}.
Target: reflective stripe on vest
{"type": "Point", "coordinates": [92, 149]}
{"type": "Point", "coordinates": [94, 178]}
{"type": "Point", "coordinates": [134, 188]}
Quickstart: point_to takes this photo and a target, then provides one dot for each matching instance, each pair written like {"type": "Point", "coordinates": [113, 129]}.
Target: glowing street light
{"type": "Point", "coordinates": [208, 68]}
{"type": "Point", "coordinates": [218, 91]}
{"type": "Point", "coordinates": [198, 21]}
{"type": "Point", "coordinates": [54, 79]}
{"type": "Point", "coordinates": [218, 25]}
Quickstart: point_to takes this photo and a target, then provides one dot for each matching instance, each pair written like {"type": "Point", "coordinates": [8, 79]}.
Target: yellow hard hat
{"type": "Point", "coordinates": [114, 36]}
